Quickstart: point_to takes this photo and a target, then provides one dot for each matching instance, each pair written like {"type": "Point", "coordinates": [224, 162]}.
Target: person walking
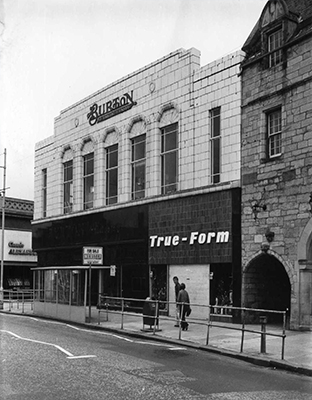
{"type": "Point", "coordinates": [184, 304]}
{"type": "Point", "coordinates": [177, 288]}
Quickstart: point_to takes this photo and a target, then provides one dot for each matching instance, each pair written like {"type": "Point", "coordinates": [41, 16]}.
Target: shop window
{"type": "Point", "coordinates": [68, 186]}
{"type": "Point", "coordinates": [215, 144]}
{"type": "Point", "coordinates": [88, 181]}
{"type": "Point", "coordinates": [275, 41]}
{"type": "Point", "coordinates": [63, 286]}
{"type": "Point", "coordinates": [44, 192]}
{"type": "Point", "coordinates": [169, 158]}
{"type": "Point", "coordinates": [138, 161]}
{"type": "Point", "coordinates": [274, 133]}
{"type": "Point", "coordinates": [112, 174]}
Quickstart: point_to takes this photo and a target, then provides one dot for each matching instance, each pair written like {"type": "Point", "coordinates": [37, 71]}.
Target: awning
{"type": "Point", "coordinates": [70, 267]}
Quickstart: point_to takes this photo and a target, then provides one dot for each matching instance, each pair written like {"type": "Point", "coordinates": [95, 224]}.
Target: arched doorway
{"type": "Point", "coordinates": [267, 285]}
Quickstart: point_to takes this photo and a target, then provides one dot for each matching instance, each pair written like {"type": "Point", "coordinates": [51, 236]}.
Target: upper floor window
{"type": "Point", "coordinates": [68, 186]}
{"type": "Point", "coordinates": [138, 158]}
{"type": "Point", "coordinates": [274, 131]}
{"type": "Point", "coordinates": [88, 181]}
{"type": "Point", "coordinates": [215, 144]}
{"type": "Point", "coordinates": [169, 158]}
{"type": "Point", "coordinates": [275, 41]}
{"type": "Point", "coordinates": [44, 192]}
{"type": "Point", "coordinates": [112, 174]}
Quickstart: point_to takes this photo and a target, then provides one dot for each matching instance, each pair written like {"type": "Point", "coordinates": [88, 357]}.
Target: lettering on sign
{"type": "Point", "coordinates": [17, 249]}
{"type": "Point", "coordinates": [93, 255]}
{"type": "Point", "coordinates": [195, 237]}
{"type": "Point", "coordinates": [100, 113]}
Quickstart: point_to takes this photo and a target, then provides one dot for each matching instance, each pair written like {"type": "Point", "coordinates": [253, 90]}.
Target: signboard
{"type": "Point", "coordinates": [92, 255]}
{"type": "Point", "coordinates": [113, 270]}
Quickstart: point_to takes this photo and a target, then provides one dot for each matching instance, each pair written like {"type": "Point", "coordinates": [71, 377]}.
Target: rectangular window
{"type": "Point", "coordinates": [169, 158]}
{"type": "Point", "coordinates": [88, 181]}
{"type": "Point", "coordinates": [275, 41]}
{"type": "Point", "coordinates": [215, 145]}
{"type": "Point", "coordinates": [138, 158]}
{"type": "Point", "coordinates": [68, 186]}
{"type": "Point", "coordinates": [274, 129]}
{"type": "Point", "coordinates": [44, 192]}
{"type": "Point", "coordinates": [112, 174]}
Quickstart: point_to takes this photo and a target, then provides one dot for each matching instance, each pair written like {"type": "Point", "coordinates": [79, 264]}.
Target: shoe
{"type": "Point", "coordinates": [177, 325]}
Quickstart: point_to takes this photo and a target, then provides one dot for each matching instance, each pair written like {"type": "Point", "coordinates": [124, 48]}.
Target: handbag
{"type": "Point", "coordinates": [188, 311]}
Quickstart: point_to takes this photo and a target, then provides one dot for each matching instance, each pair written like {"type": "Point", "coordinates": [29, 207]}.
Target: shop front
{"type": "Point", "coordinates": [197, 238]}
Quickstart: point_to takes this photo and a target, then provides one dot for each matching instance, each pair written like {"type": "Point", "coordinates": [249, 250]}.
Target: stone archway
{"type": "Point", "coordinates": [266, 284]}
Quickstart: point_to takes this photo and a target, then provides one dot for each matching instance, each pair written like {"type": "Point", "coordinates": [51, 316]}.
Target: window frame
{"type": "Point", "coordinates": [275, 56]}
{"type": "Point", "coordinates": [111, 173]}
{"type": "Point", "coordinates": [137, 163]}
{"type": "Point", "coordinates": [88, 181]}
{"type": "Point", "coordinates": [166, 155]}
{"type": "Point", "coordinates": [44, 191]}
{"type": "Point", "coordinates": [215, 142]}
{"type": "Point", "coordinates": [274, 136]}
{"type": "Point", "coordinates": [68, 186]}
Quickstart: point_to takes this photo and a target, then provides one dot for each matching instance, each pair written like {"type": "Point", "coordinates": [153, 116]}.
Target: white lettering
{"type": "Point", "coordinates": [223, 237]}
{"type": "Point", "coordinates": [210, 236]}
{"type": "Point", "coordinates": [193, 237]}
{"type": "Point", "coordinates": [153, 239]}
{"type": "Point", "coordinates": [159, 240]}
{"type": "Point", "coordinates": [175, 240]}
{"type": "Point", "coordinates": [167, 241]}
{"type": "Point", "coordinates": [202, 238]}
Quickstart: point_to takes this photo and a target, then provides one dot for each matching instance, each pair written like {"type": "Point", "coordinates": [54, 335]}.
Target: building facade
{"type": "Point", "coordinates": [276, 162]}
{"type": "Point", "coordinates": [148, 168]}
{"type": "Point", "coordinates": [18, 256]}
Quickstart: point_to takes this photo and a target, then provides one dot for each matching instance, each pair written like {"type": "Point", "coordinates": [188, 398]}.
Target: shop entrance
{"type": "Point", "coordinates": [267, 285]}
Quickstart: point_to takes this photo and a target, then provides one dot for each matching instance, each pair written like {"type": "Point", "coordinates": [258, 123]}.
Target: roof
{"type": "Point", "coordinates": [298, 10]}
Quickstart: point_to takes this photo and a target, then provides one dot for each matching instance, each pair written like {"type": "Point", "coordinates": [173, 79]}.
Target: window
{"type": "Point", "coordinates": [68, 186]}
{"type": "Point", "coordinates": [215, 126]}
{"type": "Point", "coordinates": [138, 166]}
{"type": "Point", "coordinates": [112, 174]}
{"type": "Point", "coordinates": [88, 181]}
{"type": "Point", "coordinates": [169, 158]}
{"type": "Point", "coordinates": [274, 129]}
{"type": "Point", "coordinates": [275, 42]}
{"type": "Point", "coordinates": [44, 192]}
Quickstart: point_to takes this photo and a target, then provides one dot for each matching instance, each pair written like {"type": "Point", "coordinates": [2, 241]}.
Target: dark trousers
{"type": "Point", "coordinates": [184, 324]}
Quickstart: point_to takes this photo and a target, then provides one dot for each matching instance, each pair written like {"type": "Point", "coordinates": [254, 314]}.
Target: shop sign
{"type": "Point", "coordinates": [18, 249]}
{"type": "Point", "coordinates": [201, 238]}
{"type": "Point", "coordinates": [100, 113]}
{"type": "Point", "coordinates": [92, 255]}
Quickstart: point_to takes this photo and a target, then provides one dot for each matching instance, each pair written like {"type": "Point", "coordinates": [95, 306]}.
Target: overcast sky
{"type": "Point", "coordinates": [56, 52]}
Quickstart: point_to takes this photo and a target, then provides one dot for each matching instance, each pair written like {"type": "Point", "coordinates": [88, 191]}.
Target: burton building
{"type": "Point", "coordinates": [276, 162]}
{"type": "Point", "coordinates": [148, 169]}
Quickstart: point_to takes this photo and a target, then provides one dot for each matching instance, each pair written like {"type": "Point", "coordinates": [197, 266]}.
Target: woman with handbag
{"type": "Point", "coordinates": [184, 304]}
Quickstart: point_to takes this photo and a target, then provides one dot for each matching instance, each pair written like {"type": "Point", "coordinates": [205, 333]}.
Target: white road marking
{"type": "Point", "coordinates": [70, 355]}
{"type": "Point", "coordinates": [73, 357]}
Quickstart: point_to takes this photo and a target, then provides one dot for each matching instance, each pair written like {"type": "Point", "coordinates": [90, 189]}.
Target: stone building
{"type": "Point", "coordinates": [148, 168]}
{"type": "Point", "coordinates": [277, 163]}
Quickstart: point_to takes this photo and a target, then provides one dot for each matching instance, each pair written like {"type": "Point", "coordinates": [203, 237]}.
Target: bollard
{"type": "Point", "coordinates": [263, 322]}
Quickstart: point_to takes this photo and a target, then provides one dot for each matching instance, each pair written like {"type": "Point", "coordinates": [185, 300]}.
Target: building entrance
{"type": "Point", "coordinates": [267, 286]}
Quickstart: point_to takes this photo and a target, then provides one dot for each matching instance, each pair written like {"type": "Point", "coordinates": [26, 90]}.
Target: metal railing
{"type": "Point", "coordinates": [20, 300]}
{"type": "Point", "coordinates": [242, 320]}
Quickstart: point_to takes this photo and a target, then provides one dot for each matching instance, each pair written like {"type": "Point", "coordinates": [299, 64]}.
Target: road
{"type": "Point", "coordinates": [42, 359]}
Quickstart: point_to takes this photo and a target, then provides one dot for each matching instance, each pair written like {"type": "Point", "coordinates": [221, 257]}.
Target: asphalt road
{"type": "Point", "coordinates": [43, 359]}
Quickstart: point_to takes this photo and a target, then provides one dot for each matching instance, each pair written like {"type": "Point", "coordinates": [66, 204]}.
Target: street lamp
{"type": "Point", "coordinates": [3, 226]}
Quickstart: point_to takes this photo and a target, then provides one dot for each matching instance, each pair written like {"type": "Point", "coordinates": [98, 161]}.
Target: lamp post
{"type": "Point", "coordinates": [2, 230]}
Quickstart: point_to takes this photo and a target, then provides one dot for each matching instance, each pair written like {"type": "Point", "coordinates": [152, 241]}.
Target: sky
{"type": "Point", "coordinates": [54, 53]}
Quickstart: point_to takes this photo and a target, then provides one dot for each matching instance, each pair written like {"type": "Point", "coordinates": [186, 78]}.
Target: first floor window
{"type": "Point", "coordinates": [68, 186]}
{"type": "Point", "coordinates": [138, 166]}
{"type": "Point", "coordinates": [88, 181]}
{"type": "Point", "coordinates": [274, 129]}
{"type": "Point", "coordinates": [215, 127]}
{"type": "Point", "coordinates": [169, 158]}
{"type": "Point", "coordinates": [112, 174]}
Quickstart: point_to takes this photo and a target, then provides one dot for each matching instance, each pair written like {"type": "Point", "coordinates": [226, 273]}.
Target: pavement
{"type": "Point", "coordinates": [221, 338]}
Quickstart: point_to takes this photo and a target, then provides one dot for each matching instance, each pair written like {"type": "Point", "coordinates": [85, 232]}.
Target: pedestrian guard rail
{"type": "Point", "coordinates": [249, 327]}
{"type": "Point", "coordinates": [21, 300]}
